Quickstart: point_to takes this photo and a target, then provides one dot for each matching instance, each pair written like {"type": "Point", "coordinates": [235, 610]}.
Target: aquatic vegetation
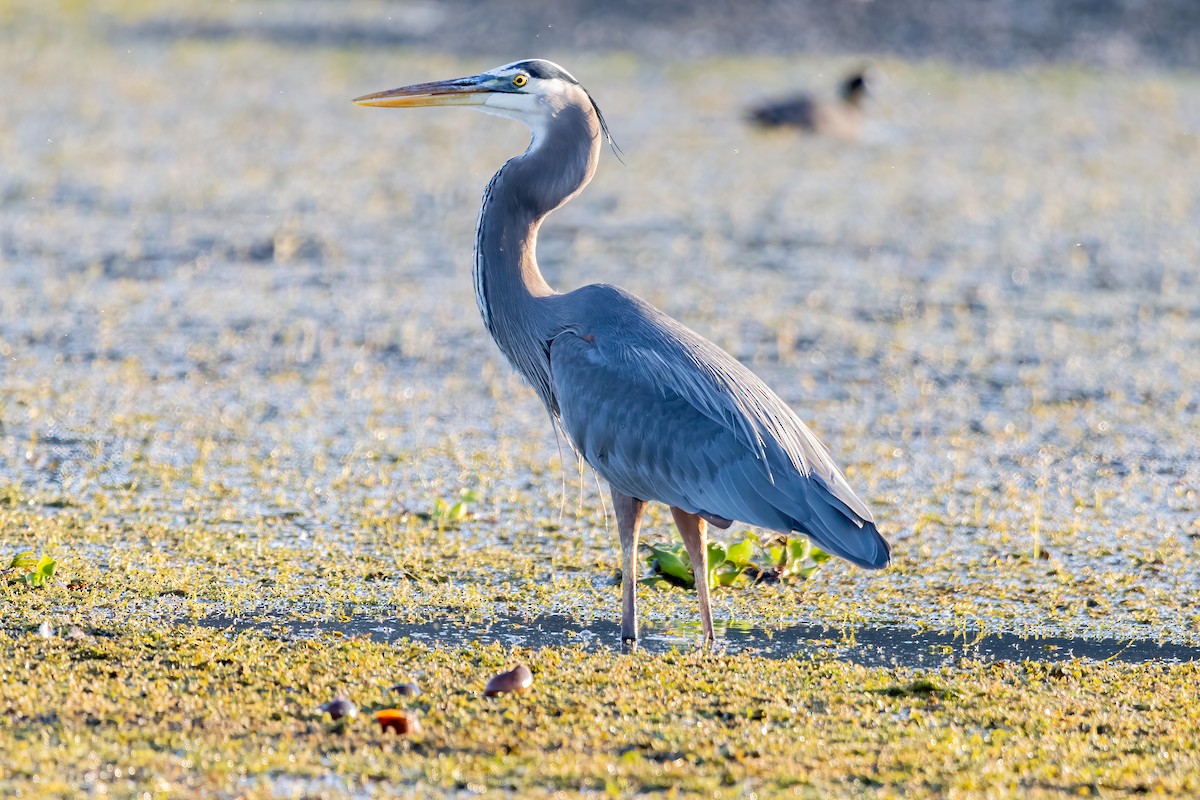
{"type": "Point", "coordinates": [446, 514]}
{"type": "Point", "coordinates": [740, 563]}
{"type": "Point", "coordinates": [918, 687]}
{"type": "Point", "coordinates": [217, 713]}
{"type": "Point", "coordinates": [797, 557]}
{"type": "Point", "coordinates": [35, 571]}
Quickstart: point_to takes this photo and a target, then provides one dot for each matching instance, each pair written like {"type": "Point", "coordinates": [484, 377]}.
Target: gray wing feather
{"type": "Point", "coordinates": [663, 414]}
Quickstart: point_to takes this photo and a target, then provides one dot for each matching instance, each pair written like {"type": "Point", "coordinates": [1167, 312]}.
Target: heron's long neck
{"type": "Point", "coordinates": [509, 287]}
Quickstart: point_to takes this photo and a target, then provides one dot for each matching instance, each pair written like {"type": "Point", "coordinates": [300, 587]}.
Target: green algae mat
{"type": "Point", "coordinates": [178, 711]}
{"type": "Point", "coordinates": [255, 443]}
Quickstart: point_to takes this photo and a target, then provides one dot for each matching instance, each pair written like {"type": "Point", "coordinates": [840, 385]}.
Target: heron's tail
{"type": "Point", "coordinates": [866, 548]}
{"type": "Point", "coordinates": [836, 529]}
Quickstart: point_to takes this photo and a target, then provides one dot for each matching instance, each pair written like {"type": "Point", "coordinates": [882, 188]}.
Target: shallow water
{"type": "Point", "coordinates": [863, 645]}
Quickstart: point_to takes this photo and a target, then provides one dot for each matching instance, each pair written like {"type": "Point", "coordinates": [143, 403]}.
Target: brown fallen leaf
{"type": "Point", "coordinates": [339, 707]}
{"type": "Point", "coordinates": [518, 679]}
{"type": "Point", "coordinates": [398, 721]}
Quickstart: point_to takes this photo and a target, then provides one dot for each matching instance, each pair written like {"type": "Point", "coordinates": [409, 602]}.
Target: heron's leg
{"type": "Point", "coordinates": [694, 531]}
{"type": "Point", "coordinates": [629, 524]}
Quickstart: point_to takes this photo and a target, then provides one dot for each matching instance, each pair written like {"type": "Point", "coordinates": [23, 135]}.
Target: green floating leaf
{"type": "Point", "coordinates": [798, 548]}
{"type": "Point", "coordinates": [799, 558]}
{"type": "Point", "coordinates": [37, 570]}
{"type": "Point", "coordinates": [672, 560]}
{"type": "Point", "coordinates": [741, 553]}
{"type": "Point", "coordinates": [727, 574]}
{"type": "Point", "coordinates": [716, 554]}
{"type": "Point", "coordinates": [26, 561]}
{"type": "Point", "coordinates": [43, 571]}
{"type": "Point", "coordinates": [445, 513]}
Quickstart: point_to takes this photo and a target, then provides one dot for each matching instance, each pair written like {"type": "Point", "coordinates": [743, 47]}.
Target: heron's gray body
{"type": "Point", "coordinates": [663, 414]}
{"type": "Point", "coordinates": [657, 410]}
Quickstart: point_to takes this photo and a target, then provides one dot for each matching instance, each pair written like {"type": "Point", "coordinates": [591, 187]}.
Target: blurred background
{"type": "Point", "coordinates": [1005, 34]}
{"type": "Point", "coordinates": [232, 302]}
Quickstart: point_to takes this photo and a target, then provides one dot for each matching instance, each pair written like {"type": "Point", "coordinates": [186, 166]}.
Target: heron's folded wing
{"type": "Point", "coordinates": [648, 440]}
{"type": "Point", "coordinates": [648, 346]}
{"type": "Point", "coordinates": [652, 442]}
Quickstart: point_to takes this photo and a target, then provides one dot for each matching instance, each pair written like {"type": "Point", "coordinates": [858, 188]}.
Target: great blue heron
{"type": "Point", "coordinates": [840, 118]}
{"type": "Point", "coordinates": [657, 410]}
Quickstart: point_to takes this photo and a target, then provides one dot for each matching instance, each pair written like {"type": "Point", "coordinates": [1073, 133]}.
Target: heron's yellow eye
{"type": "Point", "coordinates": [519, 81]}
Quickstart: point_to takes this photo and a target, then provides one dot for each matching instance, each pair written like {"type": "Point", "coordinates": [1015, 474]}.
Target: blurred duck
{"type": "Point", "coordinates": [842, 117]}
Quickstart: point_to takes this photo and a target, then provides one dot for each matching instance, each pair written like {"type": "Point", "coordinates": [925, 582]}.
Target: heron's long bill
{"type": "Point", "coordinates": [457, 92]}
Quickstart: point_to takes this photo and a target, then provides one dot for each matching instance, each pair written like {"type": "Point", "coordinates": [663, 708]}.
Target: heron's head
{"type": "Point", "coordinates": [533, 91]}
